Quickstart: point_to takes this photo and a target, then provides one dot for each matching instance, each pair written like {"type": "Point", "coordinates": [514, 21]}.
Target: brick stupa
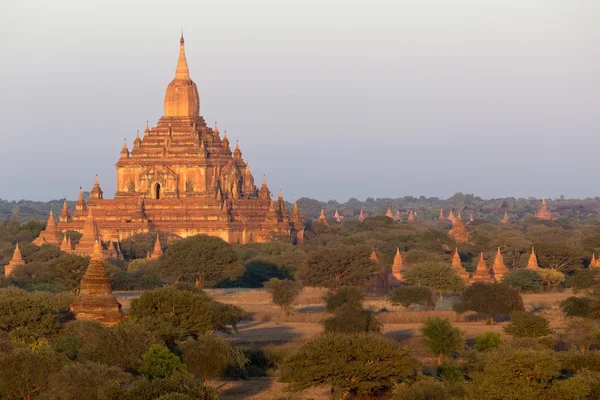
{"type": "Point", "coordinates": [185, 179]}
{"type": "Point", "coordinates": [95, 301]}
{"type": "Point", "coordinates": [15, 261]}
{"type": "Point", "coordinates": [482, 273]}
{"type": "Point", "coordinates": [389, 213]}
{"type": "Point", "coordinates": [499, 268]}
{"type": "Point", "coordinates": [442, 217]}
{"type": "Point", "coordinates": [505, 219]}
{"type": "Point", "coordinates": [337, 216]}
{"type": "Point", "coordinates": [396, 277]}
{"type": "Point", "coordinates": [457, 265]}
{"type": "Point", "coordinates": [411, 216]}
{"type": "Point", "coordinates": [361, 216]}
{"type": "Point", "coordinates": [49, 235]}
{"type": "Point", "coordinates": [322, 218]}
{"type": "Point", "coordinates": [532, 263]}
{"type": "Point", "coordinates": [451, 216]}
{"type": "Point", "coordinates": [156, 250]}
{"type": "Point", "coordinates": [459, 232]}
{"type": "Point", "coordinates": [544, 214]}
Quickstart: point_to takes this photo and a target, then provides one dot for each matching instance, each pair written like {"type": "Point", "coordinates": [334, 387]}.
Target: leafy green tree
{"type": "Point", "coordinates": [352, 319]}
{"type": "Point", "coordinates": [256, 273]}
{"type": "Point", "coordinates": [350, 364]}
{"type": "Point", "coordinates": [425, 388]}
{"type": "Point", "coordinates": [210, 356]}
{"type": "Point", "coordinates": [490, 299]}
{"type": "Point", "coordinates": [441, 338]}
{"type": "Point", "coordinates": [551, 278]}
{"type": "Point", "coordinates": [408, 295]}
{"type": "Point", "coordinates": [86, 380]}
{"type": "Point", "coordinates": [577, 306]}
{"type": "Point", "coordinates": [203, 259]}
{"type": "Point", "coordinates": [346, 295]}
{"type": "Point", "coordinates": [487, 341]}
{"type": "Point", "coordinates": [441, 278]}
{"type": "Point", "coordinates": [36, 313]}
{"type": "Point", "coordinates": [334, 268]}
{"type": "Point", "coordinates": [581, 333]}
{"type": "Point", "coordinates": [558, 254]}
{"type": "Point", "coordinates": [177, 384]}
{"type": "Point", "coordinates": [450, 371]}
{"type": "Point", "coordinates": [527, 325]}
{"type": "Point", "coordinates": [160, 362]}
{"type": "Point", "coordinates": [283, 293]}
{"type": "Point", "coordinates": [25, 373]}
{"type": "Point", "coordinates": [524, 279]}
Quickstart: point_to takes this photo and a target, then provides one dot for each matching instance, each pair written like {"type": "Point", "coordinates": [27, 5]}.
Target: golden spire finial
{"type": "Point", "coordinates": [182, 72]}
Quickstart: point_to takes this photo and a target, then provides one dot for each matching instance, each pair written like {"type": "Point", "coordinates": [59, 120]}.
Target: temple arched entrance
{"type": "Point", "coordinates": [157, 191]}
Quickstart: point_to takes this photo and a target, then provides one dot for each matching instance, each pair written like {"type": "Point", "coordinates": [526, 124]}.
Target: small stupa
{"type": "Point", "coordinates": [389, 213]}
{"type": "Point", "coordinates": [441, 217]}
{"type": "Point", "coordinates": [49, 235]}
{"type": "Point", "coordinates": [15, 261]}
{"type": "Point", "coordinates": [533, 262]}
{"type": "Point", "coordinates": [411, 216]}
{"type": "Point", "coordinates": [505, 219]}
{"type": "Point", "coordinates": [95, 301]}
{"type": "Point", "coordinates": [361, 216]}
{"type": "Point", "coordinates": [457, 264]}
{"type": "Point", "coordinates": [544, 214]}
{"type": "Point", "coordinates": [322, 218]}
{"type": "Point", "coordinates": [499, 268]}
{"type": "Point", "coordinates": [459, 232]}
{"type": "Point", "coordinates": [397, 269]}
{"type": "Point", "coordinates": [156, 250]}
{"type": "Point", "coordinates": [451, 216]}
{"type": "Point", "coordinates": [337, 216]}
{"type": "Point", "coordinates": [398, 216]}
{"type": "Point", "coordinates": [482, 273]}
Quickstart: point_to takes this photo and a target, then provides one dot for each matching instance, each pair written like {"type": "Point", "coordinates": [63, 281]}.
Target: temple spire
{"type": "Point", "coordinates": [499, 268]}
{"type": "Point", "coordinates": [182, 72]}
{"type": "Point", "coordinates": [532, 263]}
{"type": "Point", "coordinates": [361, 216]}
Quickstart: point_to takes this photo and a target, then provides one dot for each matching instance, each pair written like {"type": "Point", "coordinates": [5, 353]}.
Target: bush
{"type": "Point", "coordinates": [408, 295]}
{"type": "Point", "coordinates": [283, 293]}
{"type": "Point", "coordinates": [576, 306]}
{"type": "Point", "coordinates": [524, 279]}
{"type": "Point", "coordinates": [490, 299]}
{"type": "Point", "coordinates": [426, 388]}
{"type": "Point", "coordinates": [160, 362]}
{"type": "Point", "coordinates": [346, 295]}
{"type": "Point", "coordinates": [551, 278]}
{"type": "Point", "coordinates": [527, 325]}
{"type": "Point", "coordinates": [450, 372]}
{"type": "Point", "coordinates": [350, 318]}
{"type": "Point", "coordinates": [210, 356]}
{"type": "Point", "coordinates": [441, 338]}
{"type": "Point", "coordinates": [487, 341]}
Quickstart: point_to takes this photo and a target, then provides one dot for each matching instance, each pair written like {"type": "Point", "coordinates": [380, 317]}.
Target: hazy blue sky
{"type": "Point", "coordinates": [330, 99]}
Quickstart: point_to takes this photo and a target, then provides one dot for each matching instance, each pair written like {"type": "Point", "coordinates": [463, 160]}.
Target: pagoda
{"type": "Point", "coordinates": [543, 214]}
{"type": "Point", "coordinates": [398, 216]}
{"type": "Point", "coordinates": [49, 235]}
{"type": "Point", "coordinates": [322, 218]}
{"type": "Point", "coordinates": [457, 265]}
{"type": "Point", "coordinates": [389, 213]}
{"type": "Point", "coordinates": [499, 268]}
{"type": "Point", "coordinates": [182, 177]}
{"type": "Point", "coordinates": [361, 216]}
{"type": "Point", "coordinates": [451, 216]}
{"type": "Point", "coordinates": [441, 217]}
{"type": "Point", "coordinates": [482, 273]}
{"type": "Point", "coordinates": [505, 219]}
{"type": "Point", "coordinates": [532, 263]}
{"type": "Point", "coordinates": [398, 267]}
{"type": "Point", "coordinates": [337, 216]}
{"type": "Point", "coordinates": [95, 301]}
{"type": "Point", "coordinates": [459, 232]}
{"type": "Point", "coordinates": [15, 261]}
{"type": "Point", "coordinates": [411, 216]}
{"type": "Point", "coordinates": [156, 250]}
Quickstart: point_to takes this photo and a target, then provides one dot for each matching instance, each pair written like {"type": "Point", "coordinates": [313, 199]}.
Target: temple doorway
{"type": "Point", "coordinates": [157, 191]}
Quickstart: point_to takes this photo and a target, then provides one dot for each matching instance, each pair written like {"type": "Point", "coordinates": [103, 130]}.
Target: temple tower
{"type": "Point", "coordinates": [499, 268]}
{"type": "Point", "coordinates": [182, 98]}
{"type": "Point", "coordinates": [15, 261]}
{"type": "Point", "coordinates": [398, 268]}
{"type": "Point", "coordinates": [532, 263]}
{"type": "Point", "coordinates": [544, 214]}
{"type": "Point", "coordinates": [49, 235]}
{"type": "Point", "coordinates": [482, 273]}
{"type": "Point", "coordinates": [459, 232]}
{"type": "Point", "coordinates": [457, 265]}
{"type": "Point", "coordinates": [322, 218]}
{"type": "Point", "coordinates": [361, 216]}
{"type": "Point", "coordinates": [389, 213]}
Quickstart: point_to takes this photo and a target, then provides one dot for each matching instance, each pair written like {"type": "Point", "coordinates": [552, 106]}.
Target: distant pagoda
{"type": "Point", "coordinates": [459, 232]}
{"type": "Point", "coordinates": [442, 217]}
{"type": "Point", "coordinates": [505, 219]}
{"type": "Point", "coordinates": [389, 213]}
{"type": "Point", "coordinates": [95, 301]}
{"type": "Point", "coordinates": [15, 261]}
{"type": "Point", "coordinates": [457, 265]}
{"type": "Point", "coordinates": [322, 218]}
{"type": "Point", "coordinates": [482, 273]}
{"type": "Point", "coordinates": [543, 213]}
{"type": "Point", "coordinates": [532, 263]}
{"type": "Point", "coordinates": [398, 267]}
{"type": "Point", "coordinates": [499, 268]}
{"type": "Point", "coordinates": [49, 235]}
{"type": "Point", "coordinates": [156, 250]}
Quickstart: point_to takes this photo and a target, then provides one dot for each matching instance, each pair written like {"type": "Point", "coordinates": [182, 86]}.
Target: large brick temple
{"type": "Point", "coordinates": [182, 177]}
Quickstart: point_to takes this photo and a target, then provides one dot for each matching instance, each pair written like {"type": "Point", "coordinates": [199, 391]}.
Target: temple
{"type": "Point", "coordinates": [398, 267]}
{"type": "Point", "coordinates": [181, 177]}
{"type": "Point", "coordinates": [411, 216]}
{"type": "Point", "coordinates": [499, 268]}
{"type": "Point", "coordinates": [389, 213]}
{"type": "Point", "coordinates": [532, 263]}
{"type": "Point", "coordinates": [361, 216]}
{"type": "Point", "coordinates": [457, 265]}
{"type": "Point", "coordinates": [482, 273]}
{"type": "Point", "coordinates": [544, 214]}
{"type": "Point", "coordinates": [15, 261]}
{"type": "Point", "coordinates": [505, 219]}
{"type": "Point", "coordinates": [95, 301]}
{"type": "Point", "coordinates": [442, 217]}
{"type": "Point", "coordinates": [48, 235]}
{"type": "Point", "coordinates": [459, 232]}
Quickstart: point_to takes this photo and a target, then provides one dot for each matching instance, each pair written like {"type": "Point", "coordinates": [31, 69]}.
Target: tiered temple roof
{"type": "Point", "coordinates": [459, 232]}
{"type": "Point", "coordinates": [499, 268]}
{"type": "Point", "coordinates": [457, 264]}
{"type": "Point", "coordinates": [15, 261]}
{"type": "Point", "coordinates": [182, 177]}
{"type": "Point", "coordinates": [451, 216]}
{"type": "Point", "coordinates": [544, 214]}
{"type": "Point", "coordinates": [442, 217]}
{"type": "Point", "coordinates": [482, 273]}
{"type": "Point", "coordinates": [49, 235]}
{"type": "Point", "coordinates": [322, 218]}
{"type": "Point", "coordinates": [95, 301]}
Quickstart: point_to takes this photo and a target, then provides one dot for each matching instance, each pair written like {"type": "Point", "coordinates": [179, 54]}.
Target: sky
{"type": "Point", "coordinates": [329, 99]}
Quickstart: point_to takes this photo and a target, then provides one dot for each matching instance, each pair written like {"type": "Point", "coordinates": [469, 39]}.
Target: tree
{"type": "Point", "coordinates": [209, 356]}
{"type": "Point", "coordinates": [551, 277]}
{"type": "Point", "coordinates": [346, 295]}
{"type": "Point", "coordinates": [577, 306]}
{"type": "Point", "coordinates": [334, 268]}
{"type": "Point", "coordinates": [283, 293]}
{"type": "Point", "coordinates": [175, 314]}
{"type": "Point", "coordinates": [350, 364]}
{"type": "Point", "coordinates": [527, 325]}
{"type": "Point", "coordinates": [86, 380]}
{"type": "Point", "coordinates": [408, 295]}
{"type": "Point", "coordinates": [558, 255]}
{"type": "Point", "coordinates": [441, 338]}
{"type": "Point", "coordinates": [426, 388]}
{"type": "Point", "coordinates": [177, 384]}
{"type": "Point", "coordinates": [490, 299]}
{"type": "Point", "coordinates": [441, 278]}
{"type": "Point", "coordinates": [203, 259]}
{"type": "Point", "coordinates": [487, 341]}
{"type": "Point", "coordinates": [24, 373]}
{"type": "Point", "coordinates": [581, 333]}
{"type": "Point", "coordinates": [352, 319]}
{"type": "Point", "coordinates": [524, 279]}
{"type": "Point", "coordinates": [160, 362]}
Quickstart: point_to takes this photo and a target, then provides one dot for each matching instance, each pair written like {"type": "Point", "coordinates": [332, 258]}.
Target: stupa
{"type": "Point", "coordinates": [544, 214]}
{"type": "Point", "coordinates": [442, 217]}
{"type": "Point", "coordinates": [451, 216]}
{"type": "Point", "coordinates": [398, 267]}
{"type": "Point", "coordinates": [182, 177]}
{"type": "Point", "coordinates": [482, 273]}
{"type": "Point", "coordinates": [156, 250]}
{"type": "Point", "coordinates": [49, 235]}
{"type": "Point", "coordinates": [411, 216]}
{"type": "Point", "coordinates": [457, 264]}
{"type": "Point", "coordinates": [323, 219]}
{"type": "Point", "coordinates": [389, 213]}
{"type": "Point", "coordinates": [532, 263]}
{"type": "Point", "coordinates": [505, 219]}
{"type": "Point", "coordinates": [15, 261]}
{"type": "Point", "coordinates": [459, 232]}
{"type": "Point", "coordinates": [499, 268]}
{"type": "Point", "coordinates": [337, 216]}
{"type": "Point", "coordinates": [95, 301]}
{"type": "Point", "coordinates": [361, 216]}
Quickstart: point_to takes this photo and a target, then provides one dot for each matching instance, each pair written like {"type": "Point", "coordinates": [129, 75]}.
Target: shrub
{"type": "Point", "coordinates": [441, 338]}
{"type": "Point", "coordinates": [408, 295]}
{"type": "Point", "coordinates": [346, 295]}
{"type": "Point", "coordinates": [487, 341]}
{"type": "Point", "coordinates": [490, 299]}
{"type": "Point", "coordinates": [210, 356]}
{"type": "Point", "coordinates": [524, 279]}
{"type": "Point", "coordinates": [527, 325]}
{"type": "Point", "coordinates": [160, 362]}
{"type": "Point", "coordinates": [283, 292]}
{"type": "Point", "coordinates": [551, 278]}
{"type": "Point", "coordinates": [576, 306]}
{"type": "Point", "coordinates": [352, 319]}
